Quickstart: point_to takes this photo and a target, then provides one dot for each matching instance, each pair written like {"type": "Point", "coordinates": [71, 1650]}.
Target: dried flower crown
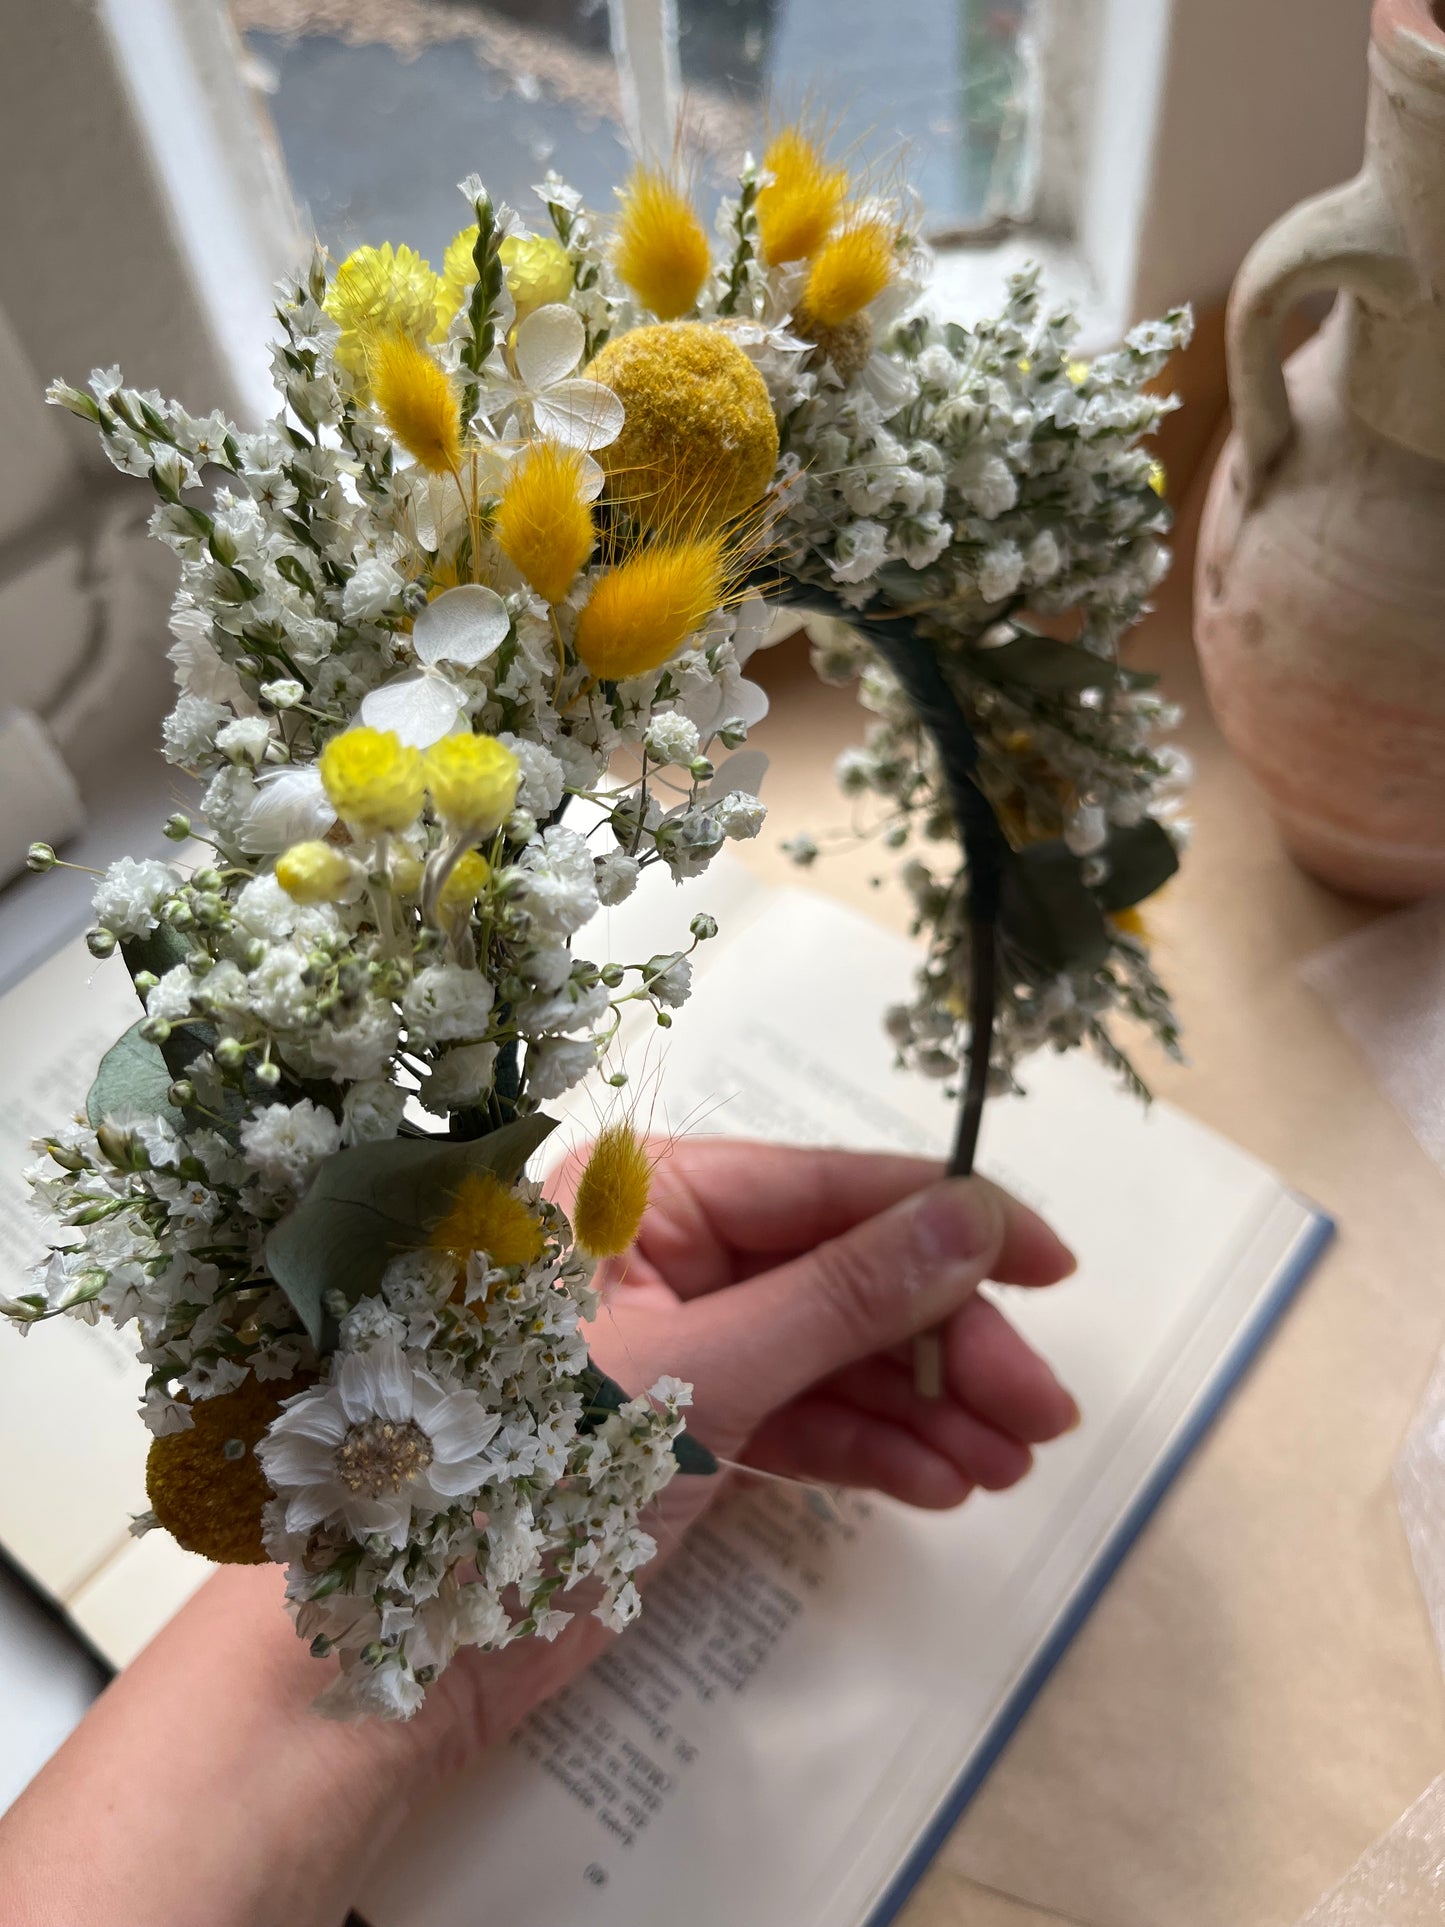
{"type": "Point", "coordinates": [501, 547]}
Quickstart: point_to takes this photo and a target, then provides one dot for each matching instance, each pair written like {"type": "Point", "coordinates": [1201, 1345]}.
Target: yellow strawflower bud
{"type": "Point", "coordinates": [797, 208]}
{"type": "Point", "coordinates": [373, 781]}
{"type": "Point", "coordinates": [406, 877]}
{"type": "Point", "coordinates": [613, 1193]}
{"type": "Point", "coordinates": [486, 1216]}
{"type": "Point", "coordinates": [416, 400]}
{"type": "Point", "coordinates": [543, 523]}
{"type": "Point", "coordinates": [538, 270]}
{"type": "Point", "coordinates": [661, 249]}
{"type": "Point", "coordinates": [314, 873]}
{"type": "Point", "coordinates": [381, 290]}
{"type": "Point", "coordinates": [639, 613]}
{"type": "Point", "coordinates": [848, 272]}
{"type": "Point", "coordinates": [699, 441]}
{"type": "Point", "coordinates": [473, 781]}
{"type": "Point", "coordinates": [465, 884]}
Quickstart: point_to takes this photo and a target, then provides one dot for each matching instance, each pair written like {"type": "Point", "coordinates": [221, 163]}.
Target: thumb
{"type": "Point", "coordinates": [895, 1275]}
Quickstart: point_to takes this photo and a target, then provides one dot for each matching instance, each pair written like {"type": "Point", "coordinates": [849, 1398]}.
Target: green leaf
{"type": "Point", "coordinates": [132, 1080]}
{"type": "Point", "coordinates": [1048, 912]}
{"type": "Point", "coordinates": [161, 951]}
{"type": "Point", "coordinates": [602, 1396]}
{"type": "Point", "coordinates": [1141, 860]}
{"type": "Point", "coordinates": [1043, 664]}
{"type": "Point", "coordinates": [374, 1200]}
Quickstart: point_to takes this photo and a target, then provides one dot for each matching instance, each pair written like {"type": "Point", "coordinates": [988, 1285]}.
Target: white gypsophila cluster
{"type": "Point", "coordinates": [419, 619]}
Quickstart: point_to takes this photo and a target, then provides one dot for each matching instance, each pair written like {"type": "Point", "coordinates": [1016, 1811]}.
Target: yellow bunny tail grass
{"type": "Point", "coordinates": [850, 271]}
{"type": "Point", "coordinates": [543, 524]}
{"type": "Point", "coordinates": [661, 249]}
{"type": "Point", "coordinates": [486, 1215]}
{"type": "Point", "coordinates": [416, 400]}
{"type": "Point", "coordinates": [640, 612]}
{"type": "Point", "coordinates": [613, 1194]}
{"type": "Point", "coordinates": [797, 208]}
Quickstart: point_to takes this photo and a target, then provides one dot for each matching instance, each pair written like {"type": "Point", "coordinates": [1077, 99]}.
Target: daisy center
{"type": "Point", "coordinates": [381, 1455]}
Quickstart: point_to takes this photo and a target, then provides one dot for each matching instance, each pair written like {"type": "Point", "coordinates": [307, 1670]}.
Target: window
{"type": "Point", "coordinates": [382, 105]}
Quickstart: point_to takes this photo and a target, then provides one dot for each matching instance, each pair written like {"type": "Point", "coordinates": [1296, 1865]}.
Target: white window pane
{"type": "Point", "coordinates": [383, 105]}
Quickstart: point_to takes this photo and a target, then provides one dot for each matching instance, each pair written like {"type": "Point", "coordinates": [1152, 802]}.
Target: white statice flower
{"type": "Point", "coordinates": [542, 780]}
{"type": "Point", "coordinates": [1000, 571]}
{"type": "Point", "coordinates": [986, 482]}
{"type": "Point", "coordinates": [130, 894]}
{"type": "Point", "coordinates": [557, 1063]}
{"type": "Point", "coordinates": [558, 881]}
{"type": "Point", "coordinates": [371, 1110]}
{"type": "Point", "coordinates": [373, 588]}
{"type": "Point", "coordinates": [672, 738]}
{"type": "Point", "coordinates": [616, 877]}
{"type": "Point", "coordinates": [286, 1142]}
{"type": "Point", "coordinates": [446, 1002]}
{"type": "Point", "coordinates": [459, 1076]}
{"type": "Point", "coordinates": [245, 740]}
{"type": "Point", "coordinates": [359, 1049]}
{"type": "Point", "coordinates": [382, 1442]}
{"type": "Point", "coordinates": [860, 551]}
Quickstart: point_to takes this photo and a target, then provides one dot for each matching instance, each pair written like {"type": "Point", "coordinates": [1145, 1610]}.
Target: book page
{"type": "Point", "coordinates": [807, 1682]}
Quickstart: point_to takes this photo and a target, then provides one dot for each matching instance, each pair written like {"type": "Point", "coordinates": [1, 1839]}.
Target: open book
{"type": "Point", "coordinates": [813, 1690]}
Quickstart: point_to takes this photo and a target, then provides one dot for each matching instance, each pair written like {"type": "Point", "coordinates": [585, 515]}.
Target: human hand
{"type": "Point", "coordinates": [786, 1285]}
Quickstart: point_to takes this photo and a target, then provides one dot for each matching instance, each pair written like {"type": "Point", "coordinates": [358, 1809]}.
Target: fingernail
{"type": "Point", "coordinates": [952, 1228]}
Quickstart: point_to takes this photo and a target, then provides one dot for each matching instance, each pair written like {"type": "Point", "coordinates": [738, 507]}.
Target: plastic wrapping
{"type": "Point", "coordinates": [1400, 1882]}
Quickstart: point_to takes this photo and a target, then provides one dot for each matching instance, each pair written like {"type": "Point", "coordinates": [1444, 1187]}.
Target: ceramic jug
{"type": "Point", "coordinates": [1320, 586]}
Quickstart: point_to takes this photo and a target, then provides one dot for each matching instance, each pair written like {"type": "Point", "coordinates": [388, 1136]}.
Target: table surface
{"type": "Point", "coordinates": [1257, 1695]}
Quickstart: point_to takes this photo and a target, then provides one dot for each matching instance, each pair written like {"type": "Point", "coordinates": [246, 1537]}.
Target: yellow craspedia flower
{"type": "Point", "coordinates": [381, 290]}
{"type": "Point", "coordinates": [613, 1193]}
{"type": "Point", "coordinates": [797, 208]}
{"type": "Point", "coordinates": [468, 879]}
{"type": "Point", "coordinates": [661, 248]}
{"type": "Point", "coordinates": [473, 782]}
{"type": "Point", "coordinates": [209, 1503]}
{"type": "Point", "coordinates": [416, 400]}
{"type": "Point", "coordinates": [639, 613]}
{"type": "Point", "coordinates": [373, 781]}
{"type": "Point", "coordinates": [699, 441]}
{"type": "Point", "coordinates": [487, 1216]}
{"type": "Point", "coordinates": [543, 523]}
{"type": "Point", "coordinates": [314, 873]}
{"type": "Point", "coordinates": [847, 273]}
{"type": "Point", "coordinates": [538, 270]}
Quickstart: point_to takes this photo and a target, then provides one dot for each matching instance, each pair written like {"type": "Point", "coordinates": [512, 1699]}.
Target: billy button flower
{"type": "Point", "coordinates": [660, 248]}
{"type": "Point", "coordinates": [206, 1495]}
{"type": "Point", "coordinates": [373, 781]}
{"type": "Point", "coordinates": [802, 199]}
{"type": "Point", "coordinates": [699, 441]}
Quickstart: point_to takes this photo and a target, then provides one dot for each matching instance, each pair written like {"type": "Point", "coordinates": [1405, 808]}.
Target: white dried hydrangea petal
{"type": "Point", "coordinates": [549, 345]}
{"type": "Point", "coordinates": [743, 771]}
{"type": "Point", "coordinates": [464, 626]}
{"type": "Point", "coordinates": [420, 709]}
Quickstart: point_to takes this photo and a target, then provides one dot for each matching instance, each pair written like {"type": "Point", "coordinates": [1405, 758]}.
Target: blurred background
{"type": "Point", "coordinates": [168, 158]}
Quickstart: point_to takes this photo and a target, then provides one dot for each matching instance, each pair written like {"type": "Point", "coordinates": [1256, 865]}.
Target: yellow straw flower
{"type": "Point", "coordinates": [314, 873]}
{"type": "Point", "coordinates": [699, 441]}
{"type": "Point", "coordinates": [466, 883]}
{"type": "Point", "coordinates": [613, 1193]}
{"type": "Point", "coordinates": [849, 271]}
{"type": "Point", "coordinates": [661, 249]}
{"type": "Point", "coordinates": [538, 270]}
{"type": "Point", "coordinates": [416, 400]}
{"type": "Point", "coordinates": [543, 522]}
{"type": "Point", "coordinates": [797, 208]}
{"type": "Point", "coordinates": [373, 780]}
{"type": "Point", "coordinates": [473, 781]}
{"type": "Point", "coordinates": [640, 612]}
{"type": "Point", "coordinates": [486, 1216]}
{"type": "Point", "coordinates": [381, 290]}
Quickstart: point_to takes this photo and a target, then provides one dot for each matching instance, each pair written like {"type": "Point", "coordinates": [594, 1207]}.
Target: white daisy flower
{"type": "Point", "coordinates": [383, 1441]}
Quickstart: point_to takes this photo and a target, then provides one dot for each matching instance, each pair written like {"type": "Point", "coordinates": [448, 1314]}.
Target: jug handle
{"type": "Point", "coordinates": [1346, 239]}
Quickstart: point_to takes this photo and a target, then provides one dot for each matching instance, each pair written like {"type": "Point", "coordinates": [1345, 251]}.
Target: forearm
{"type": "Point", "coordinates": [201, 1786]}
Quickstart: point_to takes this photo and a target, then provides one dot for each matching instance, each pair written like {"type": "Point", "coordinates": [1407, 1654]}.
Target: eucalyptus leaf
{"type": "Point", "coordinates": [161, 951]}
{"type": "Point", "coordinates": [601, 1396]}
{"type": "Point", "coordinates": [132, 1080]}
{"type": "Point", "coordinates": [1043, 664]}
{"type": "Point", "coordinates": [1141, 858]}
{"type": "Point", "coordinates": [374, 1200]}
{"type": "Point", "coordinates": [1048, 913]}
